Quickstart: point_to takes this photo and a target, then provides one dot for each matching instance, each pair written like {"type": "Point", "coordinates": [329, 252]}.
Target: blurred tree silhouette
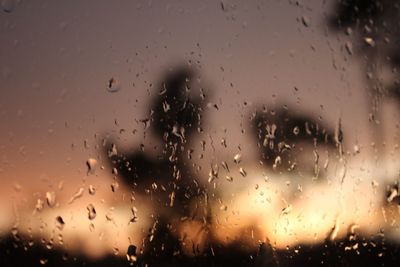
{"type": "Point", "coordinates": [279, 132]}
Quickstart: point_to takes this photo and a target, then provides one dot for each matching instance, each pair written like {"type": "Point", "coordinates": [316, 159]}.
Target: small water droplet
{"type": "Point", "coordinates": [91, 212]}
{"type": "Point", "coordinates": [349, 48]}
{"type": "Point", "coordinates": [287, 209]}
{"type": "Point", "coordinates": [92, 190]}
{"type": "Point", "coordinates": [172, 199]}
{"type": "Point", "coordinates": [229, 178]}
{"type": "Point", "coordinates": [8, 6]}
{"type": "Point", "coordinates": [134, 215]}
{"type": "Point", "coordinates": [243, 172]}
{"type": "Point", "coordinates": [39, 205]}
{"type": "Point", "coordinates": [296, 130]}
{"type": "Point", "coordinates": [114, 85]}
{"type": "Point", "coordinates": [113, 151]}
{"type": "Point", "coordinates": [91, 164]}
{"type": "Point", "coordinates": [60, 222]}
{"type": "Point", "coordinates": [51, 199]}
{"type": "Point", "coordinates": [306, 21]}
{"type": "Point", "coordinates": [369, 41]}
{"type": "Point", "coordinates": [78, 194]}
{"type": "Point", "coordinates": [237, 158]}
{"type": "Point", "coordinates": [114, 186]}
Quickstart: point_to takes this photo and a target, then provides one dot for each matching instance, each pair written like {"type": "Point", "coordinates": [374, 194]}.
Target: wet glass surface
{"type": "Point", "coordinates": [202, 133]}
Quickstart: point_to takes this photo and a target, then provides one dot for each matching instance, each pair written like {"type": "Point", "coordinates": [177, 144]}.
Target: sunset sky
{"type": "Point", "coordinates": [57, 57]}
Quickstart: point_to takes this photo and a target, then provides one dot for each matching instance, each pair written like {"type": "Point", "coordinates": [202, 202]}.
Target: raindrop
{"type": "Point", "coordinates": [392, 194]}
{"type": "Point", "coordinates": [225, 165]}
{"type": "Point", "coordinates": [229, 178]}
{"type": "Point", "coordinates": [131, 254]}
{"type": "Point", "coordinates": [91, 164]}
{"type": "Point", "coordinates": [8, 6]}
{"type": "Point", "coordinates": [369, 41]}
{"type": "Point", "coordinates": [113, 85]}
{"type": "Point", "coordinates": [287, 209]}
{"type": "Point", "coordinates": [243, 172]}
{"type": "Point", "coordinates": [60, 223]}
{"type": "Point", "coordinates": [223, 142]}
{"type": "Point", "coordinates": [92, 190]}
{"type": "Point", "coordinates": [237, 158]}
{"type": "Point", "coordinates": [349, 48]}
{"type": "Point", "coordinates": [134, 215]}
{"type": "Point", "coordinates": [78, 194]}
{"type": "Point", "coordinates": [113, 150]}
{"type": "Point", "coordinates": [51, 199]}
{"type": "Point", "coordinates": [171, 199]}
{"type": "Point", "coordinates": [91, 212]}
{"type": "Point", "coordinates": [114, 186]}
{"type": "Point", "coordinates": [306, 21]}
{"type": "Point", "coordinates": [39, 205]}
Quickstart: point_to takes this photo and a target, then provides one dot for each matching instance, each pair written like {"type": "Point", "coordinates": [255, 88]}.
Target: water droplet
{"type": "Point", "coordinates": [243, 172]}
{"type": "Point", "coordinates": [287, 209]}
{"type": "Point", "coordinates": [349, 48]}
{"type": "Point", "coordinates": [171, 199]}
{"type": "Point", "coordinates": [91, 212]}
{"type": "Point", "coordinates": [91, 164]}
{"type": "Point", "coordinates": [113, 151]}
{"type": "Point", "coordinates": [60, 222]}
{"type": "Point", "coordinates": [113, 85]}
{"type": "Point", "coordinates": [78, 194]}
{"type": "Point", "coordinates": [51, 199]}
{"type": "Point", "coordinates": [114, 186]}
{"type": "Point", "coordinates": [92, 190]}
{"type": "Point", "coordinates": [237, 158]}
{"type": "Point", "coordinates": [39, 205]}
{"type": "Point", "coordinates": [369, 41]}
{"type": "Point", "coordinates": [306, 21]}
{"type": "Point", "coordinates": [225, 165]}
{"type": "Point", "coordinates": [131, 254]}
{"type": "Point", "coordinates": [393, 192]}
{"type": "Point", "coordinates": [134, 215]}
{"type": "Point", "coordinates": [223, 142]}
{"type": "Point", "coordinates": [8, 6]}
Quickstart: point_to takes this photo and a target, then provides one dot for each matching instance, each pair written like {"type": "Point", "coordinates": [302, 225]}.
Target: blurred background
{"type": "Point", "coordinates": [195, 129]}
